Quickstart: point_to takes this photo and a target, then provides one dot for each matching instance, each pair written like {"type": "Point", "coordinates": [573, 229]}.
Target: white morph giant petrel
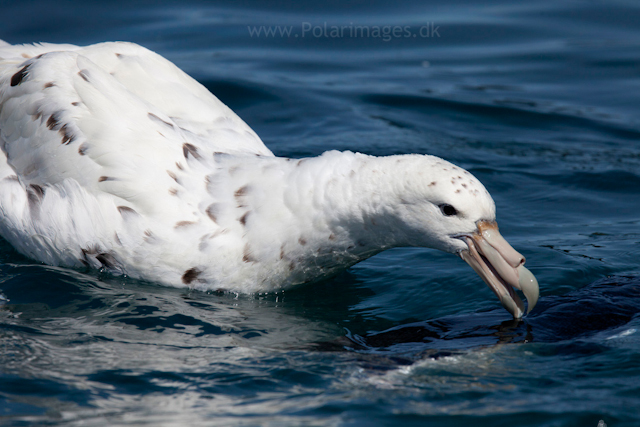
{"type": "Point", "coordinates": [112, 157]}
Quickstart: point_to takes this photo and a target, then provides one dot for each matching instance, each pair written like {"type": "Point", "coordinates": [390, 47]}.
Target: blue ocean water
{"type": "Point", "coordinates": [538, 100]}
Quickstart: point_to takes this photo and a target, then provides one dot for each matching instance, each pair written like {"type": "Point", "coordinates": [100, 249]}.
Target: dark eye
{"type": "Point", "coordinates": [448, 210]}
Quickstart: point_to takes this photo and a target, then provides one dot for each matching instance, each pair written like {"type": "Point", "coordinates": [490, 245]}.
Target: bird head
{"type": "Point", "coordinates": [445, 207]}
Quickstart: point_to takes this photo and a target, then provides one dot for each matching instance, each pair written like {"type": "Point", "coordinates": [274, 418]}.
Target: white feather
{"type": "Point", "coordinates": [114, 158]}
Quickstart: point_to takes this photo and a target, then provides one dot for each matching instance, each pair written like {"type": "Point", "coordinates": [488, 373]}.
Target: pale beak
{"type": "Point", "coordinates": [501, 267]}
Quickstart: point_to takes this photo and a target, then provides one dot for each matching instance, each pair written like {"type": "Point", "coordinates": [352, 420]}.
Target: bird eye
{"type": "Point", "coordinates": [448, 210]}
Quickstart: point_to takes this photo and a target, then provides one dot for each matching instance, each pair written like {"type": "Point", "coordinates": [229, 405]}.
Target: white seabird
{"type": "Point", "coordinates": [114, 158]}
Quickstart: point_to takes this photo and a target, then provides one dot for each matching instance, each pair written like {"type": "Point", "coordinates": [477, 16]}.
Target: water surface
{"type": "Point", "coordinates": [539, 101]}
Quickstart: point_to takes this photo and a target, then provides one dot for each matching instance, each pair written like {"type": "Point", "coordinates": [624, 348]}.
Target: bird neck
{"type": "Point", "coordinates": [353, 197]}
{"type": "Point", "coordinates": [322, 214]}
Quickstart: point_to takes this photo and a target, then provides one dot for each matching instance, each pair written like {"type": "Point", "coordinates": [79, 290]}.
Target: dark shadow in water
{"type": "Point", "coordinates": [567, 321]}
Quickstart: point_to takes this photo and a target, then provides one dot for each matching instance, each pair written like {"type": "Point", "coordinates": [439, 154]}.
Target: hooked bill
{"type": "Point", "coordinates": [501, 267]}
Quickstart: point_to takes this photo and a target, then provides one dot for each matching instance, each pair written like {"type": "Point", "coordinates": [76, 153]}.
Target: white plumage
{"type": "Point", "coordinates": [112, 157]}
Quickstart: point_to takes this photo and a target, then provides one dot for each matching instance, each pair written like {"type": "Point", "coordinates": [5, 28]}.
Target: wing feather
{"type": "Point", "coordinates": [96, 115]}
{"type": "Point", "coordinates": [109, 148]}
{"type": "Point", "coordinates": [185, 101]}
